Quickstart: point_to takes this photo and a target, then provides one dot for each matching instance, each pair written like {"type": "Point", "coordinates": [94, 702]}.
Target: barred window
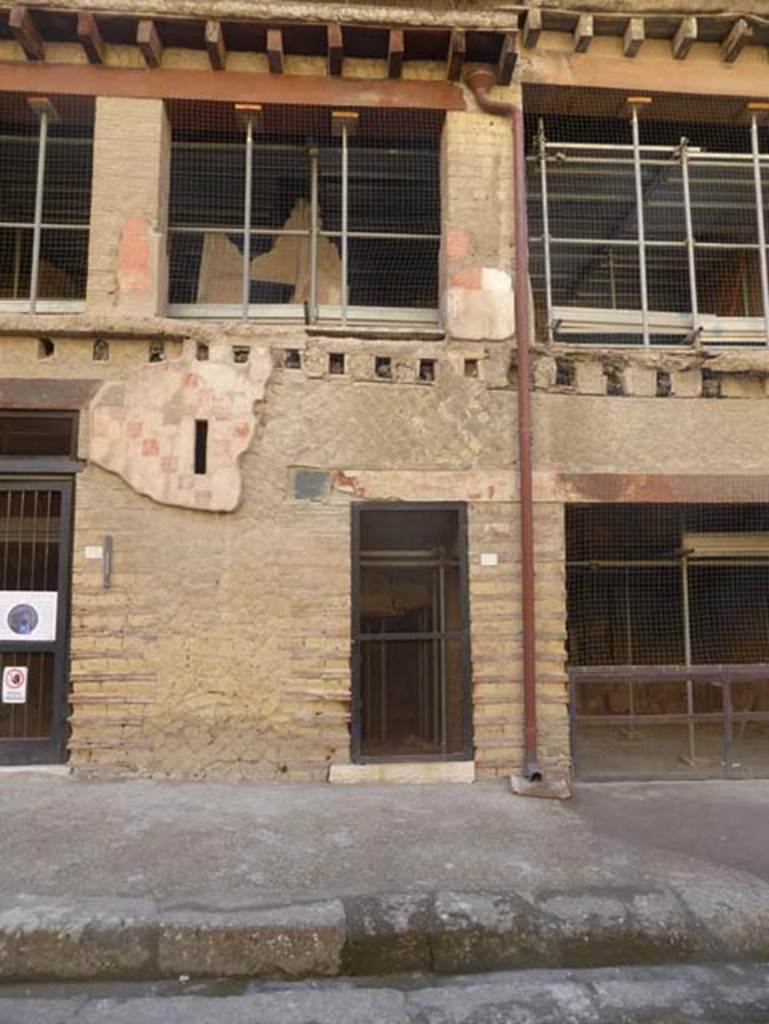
{"type": "Point", "coordinates": [647, 219]}
{"type": "Point", "coordinates": [46, 150]}
{"type": "Point", "coordinates": [304, 213]}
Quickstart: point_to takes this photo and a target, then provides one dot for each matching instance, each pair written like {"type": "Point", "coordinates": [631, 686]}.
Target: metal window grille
{"type": "Point", "coordinates": [277, 214]}
{"type": "Point", "coordinates": [46, 150]}
{"type": "Point", "coordinates": [647, 220]}
{"type": "Point", "coordinates": [668, 639]}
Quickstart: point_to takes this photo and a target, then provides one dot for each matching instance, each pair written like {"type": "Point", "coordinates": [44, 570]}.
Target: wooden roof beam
{"type": "Point", "coordinates": [90, 37]}
{"type": "Point", "coordinates": [507, 59]}
{"type": "Point", "coordinates": [532, 26]}
{"type": "Point", "coordinates": [684, 39]}
{"type": "Point", "coordinates": [583, 33]}
{"type": "Point", "coordinates": [634, 36]}
{"type": "Point", "coordinates": [217, 51]}
{"type": "Point", "coordinates": [25, 32]}
{"type": "Point", "coordinates": [335, 49]}
{"type": "Point", "coordinates": [395, 53]}
{"type": "Point", "coordinates": [148, 41]}
{"type": "Point", "coordinates": [456, 55]}
{"type": "Point", "coordinates": [740, 34]}
{"type": "Point", "coordinates": [275, 51]}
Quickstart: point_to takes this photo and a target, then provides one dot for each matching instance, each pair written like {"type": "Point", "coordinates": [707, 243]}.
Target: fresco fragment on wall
{"type": "Point", "coordinates": [144, 428]}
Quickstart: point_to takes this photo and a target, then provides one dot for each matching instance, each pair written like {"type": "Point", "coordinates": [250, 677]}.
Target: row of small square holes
{"type": "Point", "coordinates": [565, 377]}
{"type": "Point", "coordinates": [292, 359]}
{"type": "Point", "coordinates": [383, 369]}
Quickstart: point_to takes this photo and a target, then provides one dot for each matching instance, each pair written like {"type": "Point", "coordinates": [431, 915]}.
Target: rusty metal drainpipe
{"type": "Point", "coordinates": [480, 81]}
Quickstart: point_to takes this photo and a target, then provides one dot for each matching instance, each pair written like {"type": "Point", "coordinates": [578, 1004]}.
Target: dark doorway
{"type": "Point", "coordinates": [410, 632]}
{"type": "Point", "coordinates": [35, 556]}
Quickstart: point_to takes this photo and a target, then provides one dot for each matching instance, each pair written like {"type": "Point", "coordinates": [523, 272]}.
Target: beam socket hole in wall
{"type": "Point", "coordinates": [565, 373]}
{"type": "Point", "coordinates": [100, 353]}
{"type": "Point", "coordinates": [472, 368]}
{"type": "Point", "coordinates": [201, 352]}
{"type": "Point", "coordinates": [201, 447]}
{"type": "Point", "coordinates": [426, 373]}
{"type": "Point", "coordinates": [711, 384]}
{"type": "Point", "coordinates": [383, 367]}
{"type": "Point", "coordinates": [615, 385]}
{"type": "Point", "coordinates": [45, 348]}
{"type": "Point", "coordinates": [157, 352]}
{"type": "Point", "coordinates": [664, 384]}
{"type": "Point", "coordinates": [292, 359]}
{"type": "Point", "coordinates": [336, 363]}
{"type": "Point", "coordinates": [240, 353]}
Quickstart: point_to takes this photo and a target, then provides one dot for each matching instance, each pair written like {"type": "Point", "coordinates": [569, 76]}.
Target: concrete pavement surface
{"type": "Point", "coordinates": [142, 879]}
{"type": "Point", "coordinates": [713, 994]}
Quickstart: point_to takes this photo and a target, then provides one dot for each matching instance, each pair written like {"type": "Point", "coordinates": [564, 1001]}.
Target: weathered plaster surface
{"type": "Point", "coordinates": [143, 428]}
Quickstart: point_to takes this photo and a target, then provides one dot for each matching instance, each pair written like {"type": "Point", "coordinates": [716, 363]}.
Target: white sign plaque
{"type": "Point", "coordinates": [15, 684]}
{"type": "Point", "coordinates": [489, 558]}
{"type": "Point", "coordinates": [28, 615]}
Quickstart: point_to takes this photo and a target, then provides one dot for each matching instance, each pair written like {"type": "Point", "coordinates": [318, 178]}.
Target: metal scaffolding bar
{"type": "Point", "coordinates": [637, 171]}
{"type": "Point", "coordinates": [756, 155]}
{"type": "Point", "coordinates": [34, 280]}
{"type": "Point", "coordinates": [546, 230]}
{"type": "Point", "coordinates": [345, 225]}
{"type": "Point", "coordinates": [249, 177]}
{"type": "Point", "coordinates": [690, 245]}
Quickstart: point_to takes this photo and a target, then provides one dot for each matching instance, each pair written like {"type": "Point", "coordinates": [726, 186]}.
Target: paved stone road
{"type": "Point", "coordinates": [712, 994]}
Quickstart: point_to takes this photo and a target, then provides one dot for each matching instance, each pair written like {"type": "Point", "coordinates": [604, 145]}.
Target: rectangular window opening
{"type": "Point", "coordinates": [38, 434]}
{"type": "Point", "coordinates": [201, 447]}
{"type": "Point", "coordinates": [646, 228]}
{"type": "Point", "coordinates": [44, 237]}
{"type": "Point", "coordinates": [410, 629]}
{"type": "Point", "coordinates": [304, 222]}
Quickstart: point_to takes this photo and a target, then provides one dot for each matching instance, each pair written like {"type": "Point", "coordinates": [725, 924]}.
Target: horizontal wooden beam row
{"type": "Point", "coordinates": [234, 87]}
{"type": "Point", "coordinates": [23, 23]}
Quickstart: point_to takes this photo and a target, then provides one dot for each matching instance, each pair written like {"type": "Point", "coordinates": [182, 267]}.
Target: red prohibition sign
{"type": "Point", "coordinates": [15, 679]}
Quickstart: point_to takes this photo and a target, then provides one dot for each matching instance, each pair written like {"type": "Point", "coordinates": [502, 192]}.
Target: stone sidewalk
{"type": "Point", "coordinates": [142, 879]}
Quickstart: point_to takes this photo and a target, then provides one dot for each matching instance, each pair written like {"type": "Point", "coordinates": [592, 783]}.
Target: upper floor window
{"type": "Point", "coordinates": [46, 146]}
{"type": "Point", "coordinates": [304, 213]}
{"type": "Point", "coordinates": [646, 219]}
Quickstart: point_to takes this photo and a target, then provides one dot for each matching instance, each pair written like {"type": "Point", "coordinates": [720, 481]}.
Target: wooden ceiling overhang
{"type": "Point", "coordinates": [36, 28]}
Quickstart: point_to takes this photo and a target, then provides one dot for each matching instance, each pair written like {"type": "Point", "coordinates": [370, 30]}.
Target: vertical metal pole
{"type": "Point", "coordinates": [688, 655]}
{"type": "Point", "coordinates": [313, 234]}
{"type": "Point", "coordinates": [612, 280]}
{"type": "Point", "coordinates": [641, 230]}
{"type": "Point", "coordinates": [247, 218]}
{"type": "Point", "coordinates": [16, 264]}
{"type": "Point", "coordinates": [42, 143]}
{"type": "Point", "coordinates": [629, 641]}
{"type": "Point", "coordinates": [760, 221]}
{"type": "Point", "coordinates": [345, 226]}
{"type": "Point", "coordinates": [546, 229]}
{"type": "Point", "coordinates": [690, 250]}
{"type": "Point", "coordinates": [728, 731]}
{"type": "Point", "coordinates": [442, 628]}
{"type": "Point", "coordinates": [383, 691]}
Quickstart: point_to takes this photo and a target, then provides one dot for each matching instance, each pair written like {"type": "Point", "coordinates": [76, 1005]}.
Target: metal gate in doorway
{"type": "Point", "coordinates": [35, 553]}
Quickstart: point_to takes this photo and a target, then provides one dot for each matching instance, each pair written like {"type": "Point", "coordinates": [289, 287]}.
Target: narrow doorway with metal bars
{"type": "Point", "coordinates": [35, 558]}
{"type": "Point", "coordinates": [411, 696]}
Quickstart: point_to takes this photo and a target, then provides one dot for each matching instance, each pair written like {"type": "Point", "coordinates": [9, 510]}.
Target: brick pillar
{"type": "Point", "coordinates": [127, 262]}
{"type": "Point", "coordinates": [477, 205]}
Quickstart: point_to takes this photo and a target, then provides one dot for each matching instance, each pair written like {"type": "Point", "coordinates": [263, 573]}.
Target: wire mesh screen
{"type": "Point", "coordinates": [668, 639]}
{"type": "Point", "coordinates": [45, 200]}
{"type": "Point", "coordinates": [325, 234]}
{"type": "Point", "coordinates": [647, 220]}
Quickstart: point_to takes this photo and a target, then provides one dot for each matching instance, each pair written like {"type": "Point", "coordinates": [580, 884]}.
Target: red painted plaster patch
{"type": "Point", "coordinates": [242, 429]}
{"type": "Point", "coordinates": [133, 257]}
{"type": "Point", "coordinates": [135, 428]}
{"type": "Point", "coordinates": [457, 244]}
{"type": "Point", "coordinates": [470, 277]}
{"type": "Point", "coordinates": [150, 446]}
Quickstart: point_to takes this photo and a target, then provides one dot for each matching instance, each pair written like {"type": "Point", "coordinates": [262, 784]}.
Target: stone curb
{"type": "Point", "coordinates": [91, 939]}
